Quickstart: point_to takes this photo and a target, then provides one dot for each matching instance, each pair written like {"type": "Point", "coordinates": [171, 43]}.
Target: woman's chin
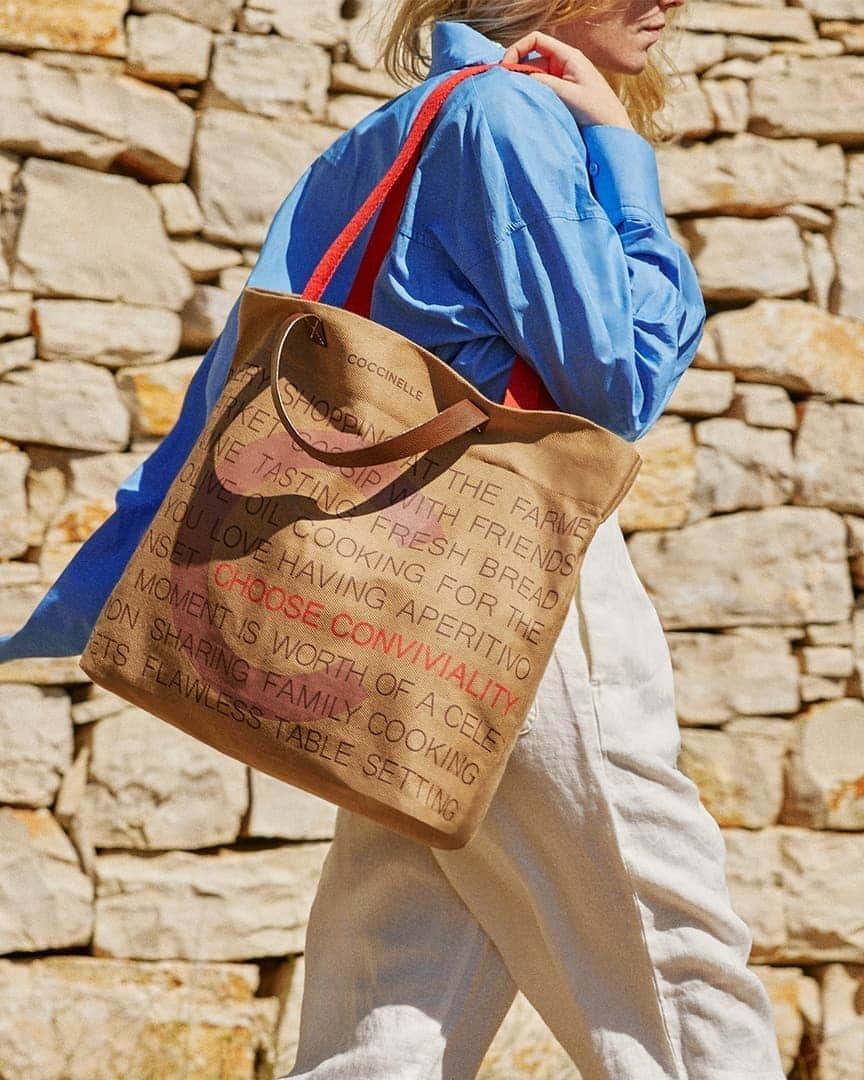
{"type": "Point", "coordinates": [633, 64]}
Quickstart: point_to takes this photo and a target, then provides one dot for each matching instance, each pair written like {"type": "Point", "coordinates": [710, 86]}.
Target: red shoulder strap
{"type": "Point", "coordinates": [525, 389]}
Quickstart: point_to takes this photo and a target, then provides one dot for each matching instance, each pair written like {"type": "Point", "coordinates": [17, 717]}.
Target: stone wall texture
{"type": "Point", "coordinates": [154, 893]}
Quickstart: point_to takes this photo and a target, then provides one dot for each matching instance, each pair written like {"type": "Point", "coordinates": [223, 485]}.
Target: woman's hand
{"type": "Point", "coordinates": [573, 77]}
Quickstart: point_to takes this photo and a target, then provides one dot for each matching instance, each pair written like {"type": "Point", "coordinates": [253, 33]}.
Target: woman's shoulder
{"type": "Point", "coordinates": [513, 109]}
{"type": "Point", "coordinates": [511, 135]}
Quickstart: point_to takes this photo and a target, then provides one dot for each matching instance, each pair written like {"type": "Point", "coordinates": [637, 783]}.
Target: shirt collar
{"type": "Point", "coordinates": [457, 45]}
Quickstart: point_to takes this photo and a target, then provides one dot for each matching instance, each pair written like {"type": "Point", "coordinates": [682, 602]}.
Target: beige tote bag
{"type": "Point", "coordinates": [356, 580]}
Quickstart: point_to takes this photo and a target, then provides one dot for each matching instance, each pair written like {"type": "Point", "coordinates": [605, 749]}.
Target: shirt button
{"type": "Point", "coordinates": [593, 168]}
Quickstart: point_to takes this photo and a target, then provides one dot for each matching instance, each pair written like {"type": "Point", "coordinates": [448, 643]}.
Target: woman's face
{"type": "Point", "coordinates": [618, 39]}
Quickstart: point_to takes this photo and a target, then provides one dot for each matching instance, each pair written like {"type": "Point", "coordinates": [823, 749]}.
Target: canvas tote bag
{"type": "Point", "coordinates": [356, 580]}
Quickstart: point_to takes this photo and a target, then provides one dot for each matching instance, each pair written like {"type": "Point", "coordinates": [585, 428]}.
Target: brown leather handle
{"type": "Point", "coordinates": [449, 424]}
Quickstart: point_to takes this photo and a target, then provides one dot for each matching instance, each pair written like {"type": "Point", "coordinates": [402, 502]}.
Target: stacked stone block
{"type": "Point", "coordinates": [154, 893]}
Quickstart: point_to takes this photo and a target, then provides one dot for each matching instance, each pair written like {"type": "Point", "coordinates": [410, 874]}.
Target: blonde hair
{"type": "Point", "coordinates": [407, 60]}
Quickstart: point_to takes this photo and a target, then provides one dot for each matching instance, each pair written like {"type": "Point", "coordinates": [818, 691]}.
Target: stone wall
{"type": "Point", "coordinates": [153, 893]}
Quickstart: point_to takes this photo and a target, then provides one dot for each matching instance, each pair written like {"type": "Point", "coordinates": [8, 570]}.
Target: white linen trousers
{"type": "Point", "coordinates": [595, 884]}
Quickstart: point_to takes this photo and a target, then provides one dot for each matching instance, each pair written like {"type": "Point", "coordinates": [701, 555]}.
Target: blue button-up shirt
{"type": "Point", "coordinates": [523, 233]}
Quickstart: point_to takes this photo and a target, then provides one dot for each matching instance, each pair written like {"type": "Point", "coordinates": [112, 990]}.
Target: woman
{"type": "Point", "coordinates": [596, 883]}
{"type": "Point", "coordinates": [534, 225]}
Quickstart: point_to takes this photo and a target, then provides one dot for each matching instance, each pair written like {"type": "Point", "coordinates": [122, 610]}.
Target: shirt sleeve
{"type": "Point", "coordinates": [564, 237]}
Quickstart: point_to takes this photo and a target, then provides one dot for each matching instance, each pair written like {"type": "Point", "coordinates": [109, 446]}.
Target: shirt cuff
{"type": "Point", "coordinates": [623, 171]}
